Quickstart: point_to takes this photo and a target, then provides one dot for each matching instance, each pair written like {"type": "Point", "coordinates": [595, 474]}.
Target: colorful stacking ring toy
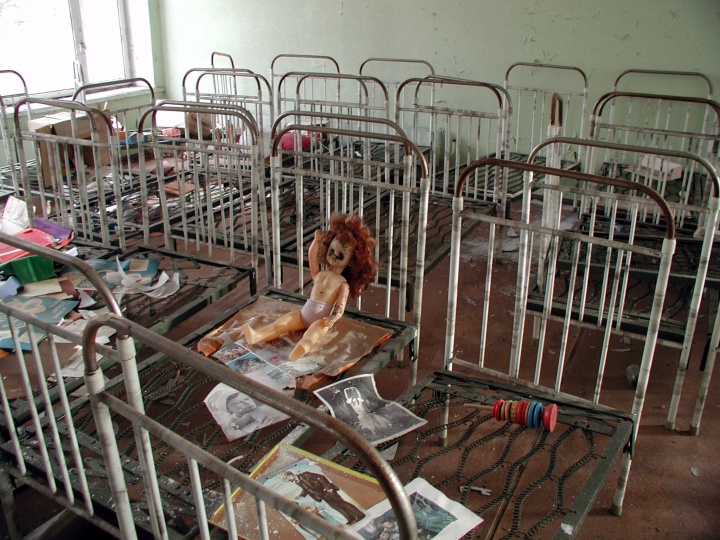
{"type": "Point", "coordinates": [530, 414]}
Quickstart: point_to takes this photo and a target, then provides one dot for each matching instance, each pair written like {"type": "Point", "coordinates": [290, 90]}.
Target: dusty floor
{"type": "Point", "coordinates": [674, 486]}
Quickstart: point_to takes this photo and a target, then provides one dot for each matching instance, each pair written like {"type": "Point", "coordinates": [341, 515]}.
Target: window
{"type": "Point", "coordinates": [59, 45]}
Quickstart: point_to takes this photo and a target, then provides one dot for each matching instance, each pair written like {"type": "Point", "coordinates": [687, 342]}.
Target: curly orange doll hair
{"type": "Point", "coordinates": [349, 229]}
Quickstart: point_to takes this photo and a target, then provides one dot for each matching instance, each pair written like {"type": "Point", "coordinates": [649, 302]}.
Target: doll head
{"type": "Point", "coordinates": [349, 229]}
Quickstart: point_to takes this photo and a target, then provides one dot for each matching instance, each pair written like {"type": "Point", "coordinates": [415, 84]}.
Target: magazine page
{"type": "Point", "coordinates": [47, 309]}
{"type": "Point", "coordinates": [331, 491]}
{"type": "Point", "coordinates": [437, 517]}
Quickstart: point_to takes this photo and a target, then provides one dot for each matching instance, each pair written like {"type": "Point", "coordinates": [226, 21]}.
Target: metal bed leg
{"type": "Point", "coordinates": [7, 499]}
{"type": "Point", "coordinates": [445, 420]}
{"type": "Point", "coordinates": [709, 364]}
{"type": "Point", "coordinates": [619, 496]}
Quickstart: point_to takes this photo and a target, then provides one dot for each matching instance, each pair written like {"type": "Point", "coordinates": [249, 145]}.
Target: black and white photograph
{"type": "Point", "coordinates": [238, 414]}
{"type": "Point", "coordinates": [437, 517]}
{"type": "Point", "coordinates": [356, 402]}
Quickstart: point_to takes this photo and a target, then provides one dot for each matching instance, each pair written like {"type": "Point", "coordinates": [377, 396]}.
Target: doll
{"type": "Point", "coordinates": [346, 249]}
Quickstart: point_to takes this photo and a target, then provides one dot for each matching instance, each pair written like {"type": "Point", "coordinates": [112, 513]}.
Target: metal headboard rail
{"type": "Point", "coordinates": [639, 149]}
{"type": "Point", "coordinates": [679, 74]}
{"type": "Point", "coordinates": [626, 184]}
{"type": "Point", "coordinates": [113, 85]}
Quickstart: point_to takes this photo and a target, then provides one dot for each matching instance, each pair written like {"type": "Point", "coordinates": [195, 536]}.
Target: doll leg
{"type": "Point", "coordinates": [290, 322]}
{"type": "Point", "coordinates": [314, 332]}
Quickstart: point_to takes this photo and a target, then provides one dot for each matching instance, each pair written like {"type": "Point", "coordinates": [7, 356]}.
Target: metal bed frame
{"type": "Point", "coordinates": [218, 55]}
{"type": "Point", "coordinates": [457, 121]}
{"type": "Point", "coordinates": [64, 445]}
{"type": "Point", "coordinates": [376, 157]}
{"type": "Point", "coordinates": [535, 91]}
{"type": "Point", "coordinates": [215, 177]}
{"type": "Point", "coordinates": [70, 189]}
{"type": "Point", "coordinates": [337, 93]}
{"type": "Point", "coordinates": [392, 72]}
{"type": "Point", "coordinates": [692, 272]}
{"type": "Point", "coordinates": [301, 64]}
{"type": "Point", "coordinates": [90, 216]}
{"type": "Point", "coordinates": [239, 87]}
{"type": "Point", "coordinates": [12, 90]}
{"type": "Point", "coordinates": [647, 80]}
{"type": "Point", "coordinates": [667, 122]}
{"type": "Point", "coordinates": [490, 354]}
{"type": "Point", "coordinates": [349, 178]}
{"type": "Point", "coordinates": [658, 121]}
{"type": "Point", "coordinates": [124, 121]}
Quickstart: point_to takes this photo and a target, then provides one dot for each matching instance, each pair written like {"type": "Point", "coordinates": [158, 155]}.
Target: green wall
{"type": "Point", "coordinates": [471, 39]}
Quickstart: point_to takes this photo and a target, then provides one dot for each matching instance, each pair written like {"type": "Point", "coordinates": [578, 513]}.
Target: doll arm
{"type": "Point", "coordinates": [313, 253]}
{"type": "Point", "coordinates": [339, 306]}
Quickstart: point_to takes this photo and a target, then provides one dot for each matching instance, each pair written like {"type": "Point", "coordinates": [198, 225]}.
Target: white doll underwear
{"type": "Point", "coordinates": [313, 310]}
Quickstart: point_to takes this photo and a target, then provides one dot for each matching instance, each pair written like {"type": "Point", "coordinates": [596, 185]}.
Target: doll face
{"type": "Point", "coordinates": [339, 253]}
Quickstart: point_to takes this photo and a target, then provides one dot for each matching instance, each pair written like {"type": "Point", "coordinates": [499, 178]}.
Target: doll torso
{"type": "Point", "coordinates": [326, 286]}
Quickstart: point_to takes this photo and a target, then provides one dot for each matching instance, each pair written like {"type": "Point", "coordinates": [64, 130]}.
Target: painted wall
{"type": "Point", "coordinates": [471, 39]}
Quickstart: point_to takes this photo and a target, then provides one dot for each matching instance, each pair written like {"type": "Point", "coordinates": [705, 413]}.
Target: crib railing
{"type": "Point", "coordinates": [146, 430]}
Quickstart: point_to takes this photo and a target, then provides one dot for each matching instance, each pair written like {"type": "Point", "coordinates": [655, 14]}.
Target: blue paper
{"type": "Point", "coordinates": [47, 309]}
{"type": "Point", "coordinates": [9, 287]}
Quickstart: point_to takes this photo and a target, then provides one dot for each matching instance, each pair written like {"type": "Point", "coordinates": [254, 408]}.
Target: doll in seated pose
{"type": "Point", "coordinates": [346, 249]}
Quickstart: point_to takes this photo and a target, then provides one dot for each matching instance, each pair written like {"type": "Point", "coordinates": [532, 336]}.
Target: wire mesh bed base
{"type": "Point", "coordinates": [523, 482]}
{"type": "Point", "coordinates": [201, 282]}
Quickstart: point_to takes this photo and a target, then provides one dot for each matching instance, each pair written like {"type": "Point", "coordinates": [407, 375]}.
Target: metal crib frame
{"type": "Point", "coordinates": [693, 255]}
{"type": "Point", "coordinates": [532, 100]}
{"type": "Point", "coordinates": [46, 443]}
{"type": "Point", "coordinates": [457, 134]}
{"type": "Point", "coordinates": [70, 190]}
{"type": "Point", "coordinates": [298, 63]}
{"type": "Point", "coordinates": [677, 123]}
{"type": "Point", "coordinates": [239, 87]}
{"type": "Point", "coordinates": [124, 121]}
{"type": "Point", "coordinates": [349, 179]}
{"type": "Point", "coordinates": [504, 468]}
{"type": "Point", "coordinates": [218, 176]}
{"type": "Point", "coordinates": [340, 93]}
{"type": "Point", "coordinates": [10, 95]}
{"type": "Point", "coordinates": [663, 76]}
{"type": "Point", "coordinates": [392, 72]}
{"type": "Point", "coordinates": [144, 427]}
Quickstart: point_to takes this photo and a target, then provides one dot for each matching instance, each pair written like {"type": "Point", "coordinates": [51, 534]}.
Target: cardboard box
{"type": "Point", "coordinates": [658, 169]}
{"type": "Point", "coordinates": [60, 124]}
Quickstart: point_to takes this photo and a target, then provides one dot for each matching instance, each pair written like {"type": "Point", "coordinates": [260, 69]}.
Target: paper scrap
{"type": "Point", "coordinates": [15, 217]}
{"type": "Point", "coordinates": [42, 288]}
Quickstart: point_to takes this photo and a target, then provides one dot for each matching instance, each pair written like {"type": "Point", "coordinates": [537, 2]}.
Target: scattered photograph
{"type": "Point", "coordinates": [356, 402]}
{"type": "Point", "coordinates": [229, 352]}
{"type": "Point", "coordinates": [238, 414]}
{"type": "Point", "coordinates": [437, 517]}
{"type": "Point", "coordinates": [276, 352]}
